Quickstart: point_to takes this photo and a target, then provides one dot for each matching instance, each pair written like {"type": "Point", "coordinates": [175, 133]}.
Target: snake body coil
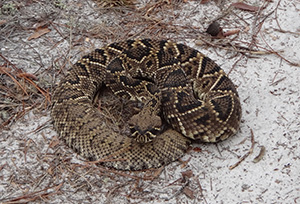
{"type": "Point", "coordinates": [174, 82]}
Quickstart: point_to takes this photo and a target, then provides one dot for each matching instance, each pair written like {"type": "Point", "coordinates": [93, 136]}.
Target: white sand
{"type": "Point", "coordinates": [270, 95]}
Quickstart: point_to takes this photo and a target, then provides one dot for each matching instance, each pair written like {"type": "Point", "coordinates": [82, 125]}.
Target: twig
{"type": "Point", "coordinates": [178, 191]}
{"type": "Point", "coordinates": [287, 31]}
{"type": "Point", "coordinates": [276, 53]}
{"type": "Point", "coordinates": [276, 19]}
{"type": "Point", "coordinates": [247, 154]}
{"type": "Point", "coordinates": [33, 196]}
{"type": "Point", "coordinates": [42, 91]}
{"type": "Point", "coordinates": [201, 190]}
{"type": "Point", "coordinates": [7, 61]}
{"type": "Point", "coordinates": [239, 49]}
{"type": "Point", "coordinates": [13, 78]}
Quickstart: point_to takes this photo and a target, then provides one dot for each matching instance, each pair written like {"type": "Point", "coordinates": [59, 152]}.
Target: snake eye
{"type": "Point", "coordinates": [132, 130]}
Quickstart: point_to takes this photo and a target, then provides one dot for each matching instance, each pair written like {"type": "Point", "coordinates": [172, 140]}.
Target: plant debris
{"type": "Point", "coordinates": [40, 40]}
{"type": "Point", "coordinates": [246, 7]}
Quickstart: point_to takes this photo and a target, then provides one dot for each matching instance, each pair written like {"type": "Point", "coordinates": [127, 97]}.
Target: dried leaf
{"type": "Point", "coordinates": [204, 1]}
{"type": "Point", "coordinates": [231, 32]}
{"type": "Point", "coordinates": [188, 192]}
{"type": "Point", "coordinates": [188, 173]}
{"type": "Point", "coordinates": [197, 149]}
{"type": "Point", "coordinates": [39, 32]}
{"type": "Point", "coordinates": [246, 7]}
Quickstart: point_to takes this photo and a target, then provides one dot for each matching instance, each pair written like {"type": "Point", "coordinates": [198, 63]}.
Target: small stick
{"type": "Point", "coordinates": [13, 78]}
{"type": "Point", "coordinates": [247, 154]}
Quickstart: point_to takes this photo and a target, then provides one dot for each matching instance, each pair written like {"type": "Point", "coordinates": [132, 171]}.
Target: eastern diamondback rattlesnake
{"type": "Point", "coordinates": [176, 84]}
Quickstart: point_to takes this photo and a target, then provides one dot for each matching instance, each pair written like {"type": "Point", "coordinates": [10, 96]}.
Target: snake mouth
{"type": "Point", "coordinates": [144, 135]}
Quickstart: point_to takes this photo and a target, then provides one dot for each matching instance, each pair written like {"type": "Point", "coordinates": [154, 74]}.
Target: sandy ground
{"type": "Point", "coordinates": [36, 167]}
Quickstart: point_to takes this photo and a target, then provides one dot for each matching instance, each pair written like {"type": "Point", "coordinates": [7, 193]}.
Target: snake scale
{"type": "Point", "coordinates": [177, 86]}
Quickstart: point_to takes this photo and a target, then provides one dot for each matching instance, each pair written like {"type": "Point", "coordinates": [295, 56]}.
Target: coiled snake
{"type": "Point", "coordinates": [177, 85]}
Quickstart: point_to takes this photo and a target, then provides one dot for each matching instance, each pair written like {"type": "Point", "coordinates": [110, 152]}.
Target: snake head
{"type": "Point", "coordinates": [145, 126]}
{"type": "Point", "coordinates": [203, 86]}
